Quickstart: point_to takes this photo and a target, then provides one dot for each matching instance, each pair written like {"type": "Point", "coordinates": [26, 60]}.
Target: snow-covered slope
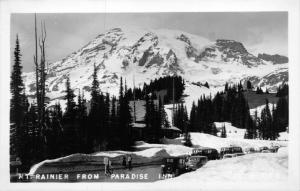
{"type": "Point", "coordinates": [150, 54]}
{"type": "Point", "coordinates": [260, 108]}
{"type": "Point", "coordinates": [231, 131]}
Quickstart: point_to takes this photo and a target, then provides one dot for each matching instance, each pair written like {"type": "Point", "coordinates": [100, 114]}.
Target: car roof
{"type": "Point", "coordinates": [175, 157]}
{"type": "Point", "coordinates": [231, 147]}
{"type": "Point", "coordinates": [204, 148]}
{"type": "Point", "coordinates": [199, 156]}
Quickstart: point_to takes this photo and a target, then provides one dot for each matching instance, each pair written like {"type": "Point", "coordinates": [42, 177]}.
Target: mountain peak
{"type": "Point", "coordinates": [149, 54]}
{"type": "Point", "coordinates": [231, 45]}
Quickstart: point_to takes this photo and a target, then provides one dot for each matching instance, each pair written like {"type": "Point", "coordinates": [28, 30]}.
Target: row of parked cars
{"type": "Point", "coordinates": [182, 164]}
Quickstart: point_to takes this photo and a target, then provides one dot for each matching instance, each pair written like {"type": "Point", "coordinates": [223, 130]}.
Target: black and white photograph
{"type": "Point", "coordinates": [165, 97]}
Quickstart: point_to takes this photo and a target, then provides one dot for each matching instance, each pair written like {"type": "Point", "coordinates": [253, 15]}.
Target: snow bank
{"type": "Point", "coordinates": [147, 153]}
{"type": "Point", "coordinates": [257, 167]}
{"type": "Point", "coordinates": [171, 149]}
{"type": "Point", "coordinates": [206, 140]}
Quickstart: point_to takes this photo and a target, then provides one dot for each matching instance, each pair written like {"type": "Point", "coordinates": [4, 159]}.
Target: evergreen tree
{"type": "Point", "coordinates": [213, 129]}
{"type": "Point", "coordinates": [249, 85]}
{"type": "Point", "coordinates": [125, 120]}
{"type": "Point", "coordinates": [281, 114]}
{"type": "Point", "coordinates": [259, 90]}
{"type": "Point", "coordinates": [223, 132]}
{"type": "Point", "coordinates": [57, 131]}
{"type": "Point", "coordinates": [82, 121]}
{"type": "Point", "coordinates": [187, 139]}
{"type": "Point", "coordinates": [206, 85]}
{"type": "Point", "coordinates": [226, 87]}
{"type": "Point", "coordinates": [114, 125]}
{"type": "Point", "coordinates": [70, 124]}
{"type": "Point", "coordinates": [95, 115]}
{"type": "Point", "coordinates": [193, 118]}
{"type": "Point", "coordinates": [267, 91]}
{"type": "Point", "coordinates": [283, 90]}
{"type": "Point", "coordinates": [18, 107]}
{"type": "Point", "coordinates": [266, 122]}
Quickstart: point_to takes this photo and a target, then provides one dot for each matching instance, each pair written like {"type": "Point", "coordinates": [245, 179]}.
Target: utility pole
{"type": "Point", "coordinates": [173, 95]}
{"type": "Point", "coordinates": [134, 114]}
{"type": "Point", "coordinates": [35, 57]}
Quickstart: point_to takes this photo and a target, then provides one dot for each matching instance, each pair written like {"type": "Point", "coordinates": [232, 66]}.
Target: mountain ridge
{"type": "Point", "coordinates": [149, 54]}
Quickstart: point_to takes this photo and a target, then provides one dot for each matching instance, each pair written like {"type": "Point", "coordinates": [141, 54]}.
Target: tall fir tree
{"type": "Point", "coordinates": [125, 120]}
{"type": "Point", "coordinates": [95, 115]}
{"type": "Point", "coordinates": [18, 107]}
{"type": "Point", "coordinates": [266, 122]}
{"type": "Point", "coordinates": [70, 124]}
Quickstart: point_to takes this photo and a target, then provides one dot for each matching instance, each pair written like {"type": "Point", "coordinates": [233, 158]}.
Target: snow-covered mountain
{"type": "Point", "coordinates": [149, 54]}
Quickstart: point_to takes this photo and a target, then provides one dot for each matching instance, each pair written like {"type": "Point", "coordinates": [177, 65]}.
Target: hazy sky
{"type": "Point", "coordinates": [259, 31]}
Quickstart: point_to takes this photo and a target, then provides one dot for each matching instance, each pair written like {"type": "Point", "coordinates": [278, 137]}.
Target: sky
{"type": "Point", "coordinates": [260, 32]}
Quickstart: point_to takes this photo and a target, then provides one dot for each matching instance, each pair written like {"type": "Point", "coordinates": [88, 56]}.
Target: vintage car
{"type": "Point", "coordinates": [195, 162]}
{"type": "Point", "coordinates": [174, 165]}
{"type": "Point", "coordinates": [210, 153]}
{"type": "Point", "coordinates": [231, 150]}
{"type": "Point", "coordinates": [263, 148]}
{"type": "Point", "coordinates": [274, 149]}
{"type": "Point", "coordinates": [229, 156]}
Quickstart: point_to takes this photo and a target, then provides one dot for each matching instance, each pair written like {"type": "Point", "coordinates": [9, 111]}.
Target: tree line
{"type": "Point", "coordinates": [228, 105]}
{"type": "Point", "coordinates": [163, 83]}
{"type": "Point", "coordinates": [231, 105]}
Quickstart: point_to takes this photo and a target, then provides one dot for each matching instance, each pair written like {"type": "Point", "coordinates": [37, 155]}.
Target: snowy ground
{"type": "Point", "coordinates": [148, 153]}
{"type": "Point", "coordinates": [231, 131]}
{"type": "Point", "coordinates": [258, 167]}
{"type": "Point", "coordinates": [148, 157]}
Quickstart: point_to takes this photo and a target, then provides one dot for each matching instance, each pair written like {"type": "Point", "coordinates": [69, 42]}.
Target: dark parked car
{"type": "Point", "coordinates": [263, 148]}
{"type": "Point", "coordinates": [195, 162]}
{"type": "Point", "coordinates": [210, 153]}
{"type": "Point", "coordinates": [231, 150]}
{"type": "Point", "coordinates": [274, 149]}
{"type": "Point", "coordinates": [174, 165]}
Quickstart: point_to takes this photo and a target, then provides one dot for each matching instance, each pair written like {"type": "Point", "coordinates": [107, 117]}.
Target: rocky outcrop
{"type": "Point", "coordinates": [276, 58]}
